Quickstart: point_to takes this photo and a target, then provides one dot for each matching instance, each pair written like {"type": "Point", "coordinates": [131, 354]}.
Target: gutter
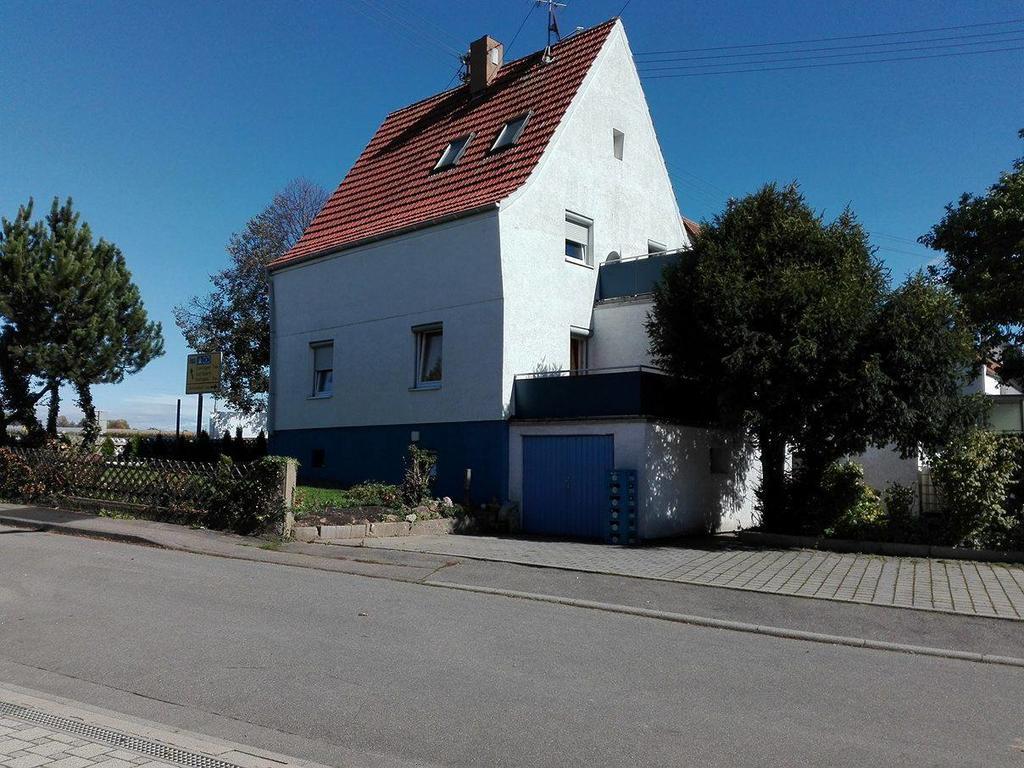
{"type": "Point", "coordinates": [384, 236]}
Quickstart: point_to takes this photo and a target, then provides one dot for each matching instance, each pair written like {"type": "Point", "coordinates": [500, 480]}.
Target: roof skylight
{"type": "Point", "coordinates": [453, 152]}
{"type": "Point", "coordinates": [510, 132]}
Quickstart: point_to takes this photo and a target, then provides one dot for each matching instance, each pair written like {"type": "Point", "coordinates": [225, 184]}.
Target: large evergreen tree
{"type": "Point", "coordinates": [234, 318]}
{"type": "Point", "coordinates": [72, 313]}
{"type": "Point", "coordinates": [983, 239]}
{"type": "Point", "coordinates": [785, 327]}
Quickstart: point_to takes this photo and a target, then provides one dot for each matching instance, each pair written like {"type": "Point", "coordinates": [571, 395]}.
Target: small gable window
{"type": "Point", "coordinates": [453, 152]}
{"type": "Point", "coordinates": [510, 132]}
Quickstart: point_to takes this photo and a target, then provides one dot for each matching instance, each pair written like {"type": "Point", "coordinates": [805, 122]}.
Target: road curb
{"type": "Point", "coordinates": [740, 626]}
{"type": "Point", "coordinates": [74, 530]}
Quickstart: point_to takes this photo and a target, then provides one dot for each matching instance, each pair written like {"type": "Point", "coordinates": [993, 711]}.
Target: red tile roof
{"type": "Point", "coordinates": [692, 227]}
{"type": "Point", "coordinates": [392, 186]}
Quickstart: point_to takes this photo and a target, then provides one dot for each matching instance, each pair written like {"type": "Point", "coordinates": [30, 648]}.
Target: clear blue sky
{"type": "Point", "coordinates": [172, 123]}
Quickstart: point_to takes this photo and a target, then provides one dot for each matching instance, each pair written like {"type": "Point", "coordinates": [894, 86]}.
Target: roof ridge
{"type": "Point", "coordinates": [575, 35]}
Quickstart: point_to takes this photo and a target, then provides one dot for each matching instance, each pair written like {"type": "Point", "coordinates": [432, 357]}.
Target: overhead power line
{"type": "Point", "coordinates": [830, 39]}
{"type": "Point", "coordinates": [859, 46]}
{"type": "Point", "coordinates": [826, 64]}
{"type": "Point", "coordinates": [526, 18]}
{"type": "Point", "coordinates": [397, 24]}
{"type": "Point", "coordinates": [860, 54]}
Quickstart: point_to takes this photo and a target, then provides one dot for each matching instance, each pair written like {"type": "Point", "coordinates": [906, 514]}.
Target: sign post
{"type": "Point", "coordinates": [201, 376]}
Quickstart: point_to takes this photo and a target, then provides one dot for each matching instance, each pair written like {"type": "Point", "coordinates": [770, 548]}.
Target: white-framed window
{"type": "Point", "coordinates": [654, 247]}
{"type": "Point", "coordinates": [323, 368]}
{"type": "Point", "coordinates": [429, 355]}
{"type": "Point", "coordinates": [618, 143]}
{"type": "Point", "coordinates": [579, 233]}
{"type": "Point", "coordinates": [453, 152]}
{"type": "Point", "coordinates": [510, 132]}
{"type": "Point", "coordinates": [577, 352]}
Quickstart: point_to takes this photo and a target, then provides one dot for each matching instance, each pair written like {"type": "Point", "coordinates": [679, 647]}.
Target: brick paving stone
{"type": "Point", "coordinates": [48, 748]}
{"type": "Point", "coordinates": [26, 761]}
{"type": "Point", "coordinates": [112, 762]}
{"type": "Point", "coordinates": [9, 744]}
{"type": "Point", "coordinates": [90, 750]}
{"type": "Point", "coordinates": [72, 761]}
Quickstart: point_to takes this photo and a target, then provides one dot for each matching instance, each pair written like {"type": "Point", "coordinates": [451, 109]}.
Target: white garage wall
{"type": "Point", "coordinates": [678, 493]}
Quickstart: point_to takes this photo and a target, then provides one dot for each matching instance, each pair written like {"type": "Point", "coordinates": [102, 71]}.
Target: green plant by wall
{"type": "Point", "coordinates": [975, 475]}
{"type": "Point", "coordinates": [418, 481]}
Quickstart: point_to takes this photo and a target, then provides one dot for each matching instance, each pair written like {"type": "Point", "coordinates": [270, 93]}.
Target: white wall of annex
{"type": "Point", "coordinates": [367, 300]}
{"type": "Point", "coordinates": [630, 201]}
{"type": "Point", "coordinates": [680, 493]}
{"type": "Point", "coordinates": [619, 336]}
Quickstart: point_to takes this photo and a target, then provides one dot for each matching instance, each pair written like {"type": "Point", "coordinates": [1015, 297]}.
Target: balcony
{"type": "Point", "coordinates": [633, 276]}
{"type": "Point", "coordinates": [601, 393]}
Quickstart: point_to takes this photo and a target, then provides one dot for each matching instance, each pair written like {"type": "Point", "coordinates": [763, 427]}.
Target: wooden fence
{"type": "Point", "coordinates": [150, 483]}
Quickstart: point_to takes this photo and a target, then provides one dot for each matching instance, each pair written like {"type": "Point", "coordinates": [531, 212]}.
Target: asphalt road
{"type": "Point", "coordinates": [348, 670]}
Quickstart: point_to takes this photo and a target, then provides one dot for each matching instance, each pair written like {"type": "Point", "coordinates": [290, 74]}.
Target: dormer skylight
{"type": "Point", "coordinates": [510, 132]}
{"type": "Point", "coordinates": [453, 152]}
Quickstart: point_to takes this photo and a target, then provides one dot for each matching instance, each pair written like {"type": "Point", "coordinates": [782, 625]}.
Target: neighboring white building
{"type": "Point", "coordinates": [490, 241]}
{"type": "Point", "coordinates": [885, 466]}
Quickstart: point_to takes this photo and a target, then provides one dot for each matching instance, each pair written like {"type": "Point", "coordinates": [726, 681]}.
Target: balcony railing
{"type": "Point", "coordinates": [632, 276]}
{"type": "Point", "coordinates": [600, 393]}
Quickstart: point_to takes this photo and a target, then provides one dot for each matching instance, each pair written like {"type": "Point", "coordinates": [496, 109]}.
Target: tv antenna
{"type": "Point", "coordinates": [553, 32]}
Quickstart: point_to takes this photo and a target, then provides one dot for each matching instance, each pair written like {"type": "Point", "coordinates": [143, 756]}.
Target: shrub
{"type": "Point", "coordinates": [859, 511]}
{"type": "Point", "coordinates": [17, 479]}
{"type": "Point", "coordinates": [418, 482]}
{"type": "Point", "coordinates": [107, 447]}
{"type": "Point", "coordinates": [247, 504]}
{"type": "Point", "coordinates": [899, 508]}
{"type": "Point", "coordinates": [976, 476]}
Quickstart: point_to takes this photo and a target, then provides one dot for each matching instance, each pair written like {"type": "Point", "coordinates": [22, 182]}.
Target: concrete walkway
{"type": "Point", "coordinates": [955, 586]}
{"type": "Point", "coordinates": [38, 731]}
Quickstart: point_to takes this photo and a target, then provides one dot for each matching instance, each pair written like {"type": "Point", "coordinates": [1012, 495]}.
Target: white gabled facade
{"type": "Point", "coordinates": [630, 201]}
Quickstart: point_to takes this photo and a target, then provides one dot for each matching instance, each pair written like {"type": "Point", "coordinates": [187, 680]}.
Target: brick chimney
{"type": "Point", "coordinates": [485, 57]}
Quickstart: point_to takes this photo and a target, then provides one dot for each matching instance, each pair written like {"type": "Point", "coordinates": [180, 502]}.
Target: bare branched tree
{"type": "Point", "coordinates": [235, 316]}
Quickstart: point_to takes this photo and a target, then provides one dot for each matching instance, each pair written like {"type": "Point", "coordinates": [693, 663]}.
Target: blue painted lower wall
{"type": "Point", "coordinates": [355, 454]}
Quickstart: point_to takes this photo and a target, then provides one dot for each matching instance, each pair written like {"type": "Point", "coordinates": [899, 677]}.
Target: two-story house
{"type": "Point", "coordinates": [478, 284]}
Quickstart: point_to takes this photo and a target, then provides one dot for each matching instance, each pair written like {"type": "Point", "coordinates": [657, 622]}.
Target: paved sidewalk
{"type": "Point", "coordinates": [37, 731]}
{"type": "Point", "coordinates": [956, 586]}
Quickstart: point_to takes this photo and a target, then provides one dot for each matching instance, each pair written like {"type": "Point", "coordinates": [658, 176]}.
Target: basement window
{"type": "Point", "coordinates": [453, 152]}
{"type": "Point", "coordinates": [510, 132]}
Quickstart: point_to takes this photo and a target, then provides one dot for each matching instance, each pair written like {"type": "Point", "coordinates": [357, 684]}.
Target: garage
{"type": "Point", "coordinates": [565, 484]}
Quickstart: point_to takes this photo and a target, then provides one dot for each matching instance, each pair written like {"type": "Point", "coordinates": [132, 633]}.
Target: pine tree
{"type": "Point", "coordinates": [72, 314]}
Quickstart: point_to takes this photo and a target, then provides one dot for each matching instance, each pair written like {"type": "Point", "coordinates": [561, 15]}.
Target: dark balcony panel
{"type": "Point", "coordinates": [603, 394]}
{"type": "Point", "coordinates": [618, 279]}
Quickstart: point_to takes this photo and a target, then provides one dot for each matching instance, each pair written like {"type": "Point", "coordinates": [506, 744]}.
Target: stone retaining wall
{"type": "Point", "coordinates": [374, 530]}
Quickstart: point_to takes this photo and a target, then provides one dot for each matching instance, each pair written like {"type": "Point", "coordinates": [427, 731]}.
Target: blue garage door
{"type": "Point", "coordinates": [565, 484]}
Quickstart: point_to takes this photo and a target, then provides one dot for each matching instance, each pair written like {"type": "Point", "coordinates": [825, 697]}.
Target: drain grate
{"type": "Point", "coordinates": [114, 738]}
